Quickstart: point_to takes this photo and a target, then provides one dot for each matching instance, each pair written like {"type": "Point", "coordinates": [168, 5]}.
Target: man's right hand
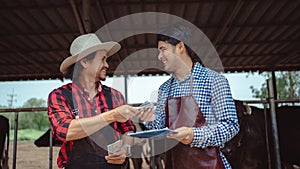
{"type": "Point", "coordinates": [124, 112]}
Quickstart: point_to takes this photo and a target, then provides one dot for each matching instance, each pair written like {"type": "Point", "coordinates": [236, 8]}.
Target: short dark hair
{"type": "Point", "coordinates": [174, 42]}
{"type": "Point", "coordinates": [75, 70]}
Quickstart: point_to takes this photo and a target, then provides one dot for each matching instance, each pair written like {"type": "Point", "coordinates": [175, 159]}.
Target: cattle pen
{"type": "Point", "coordinates": [20, 110]}
{"type": "Point", "coordinates": [275, 160]}
{"type": "Point", "coordinates": [248, 36]}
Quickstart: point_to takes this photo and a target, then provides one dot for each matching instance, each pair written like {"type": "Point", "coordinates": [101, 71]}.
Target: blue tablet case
{"type": "Point", "coordinates": [155, 134]}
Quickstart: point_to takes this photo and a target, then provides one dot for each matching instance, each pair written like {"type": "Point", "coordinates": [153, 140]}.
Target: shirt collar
{"type": "Point", "coordinates": [195, 71]}
{"type": "Point", "coordinates": [78, 87]}
{"type": "Point", "coordinates": [176, 80]}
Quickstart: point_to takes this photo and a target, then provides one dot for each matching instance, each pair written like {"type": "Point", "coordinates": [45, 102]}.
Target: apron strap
{"type": "Point", "coordinates": [107, 95]}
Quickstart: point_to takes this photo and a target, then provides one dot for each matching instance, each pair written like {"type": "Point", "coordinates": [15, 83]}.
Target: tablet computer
{"type": "Point", "coordinates": [157, 134]}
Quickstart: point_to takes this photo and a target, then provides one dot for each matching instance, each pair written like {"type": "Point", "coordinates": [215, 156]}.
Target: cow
{"type": "Point", "coordinates": [249, 148]}
{"type": "Point", "coordinates": [4, 136]}
{"type": "Point", "coordinates": [44, 140]}
{"type": "Point", "coordinates": [289, 134]}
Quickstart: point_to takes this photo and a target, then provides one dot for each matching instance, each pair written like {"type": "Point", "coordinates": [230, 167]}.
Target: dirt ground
{"type": "Point", "coordinates": [31, 157]}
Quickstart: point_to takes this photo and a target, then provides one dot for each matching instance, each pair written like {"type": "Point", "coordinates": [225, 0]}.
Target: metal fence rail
{"type": "Point", "coordinates": [16, 112]}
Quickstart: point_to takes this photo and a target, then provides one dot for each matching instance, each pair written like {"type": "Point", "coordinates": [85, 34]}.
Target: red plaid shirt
{"type": "Point", "coordinates": [60, 116]}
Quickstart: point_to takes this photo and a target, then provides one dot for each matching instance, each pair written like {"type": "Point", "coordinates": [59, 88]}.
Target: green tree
{"type": "Point", "coordinates": [287, 84]}
{"type": "Point", "coordinates": [3, 107]}
{"type": "Point", "coordinates": [34, 120]}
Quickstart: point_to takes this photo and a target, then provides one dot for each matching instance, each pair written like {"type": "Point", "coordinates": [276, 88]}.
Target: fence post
{"type": "Point", "coordinates": [274, 132]}
{"type": "Point", "coordinates": [50, 149]}
{"type": "Point", "coordinates": [15, 140]}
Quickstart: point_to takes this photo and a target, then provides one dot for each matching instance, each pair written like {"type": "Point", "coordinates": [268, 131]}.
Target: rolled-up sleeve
{"type": "Point", "coordinates": [59, 114]}
{"type": "Point", "coordinates": [160, 115]}
{"type": "Point", "coordinates": [127, 126]}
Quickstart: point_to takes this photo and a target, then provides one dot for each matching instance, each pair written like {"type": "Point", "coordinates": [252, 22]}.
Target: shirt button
{"type": "Point", "coordinates": [89, 99]}
{"type": "Point", "coordinates": [95, 111]}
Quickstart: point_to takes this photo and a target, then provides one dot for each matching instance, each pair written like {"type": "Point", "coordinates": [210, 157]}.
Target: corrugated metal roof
{"type": "Point", "coordinates": [253, 35]}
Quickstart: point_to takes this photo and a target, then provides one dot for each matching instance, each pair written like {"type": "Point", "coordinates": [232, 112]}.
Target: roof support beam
{"type": "Point", "coordinates": [77, 16]}
{"type": "Point", "coordinates": [102, 16]}
{"type": "Point", "coordinates": [231, 15]}
{"type": "Point", "coordinates": [86, 15]}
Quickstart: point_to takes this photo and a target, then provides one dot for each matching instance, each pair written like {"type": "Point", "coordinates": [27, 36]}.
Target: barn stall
{"type": "Point", "coordinates": [248, 36]}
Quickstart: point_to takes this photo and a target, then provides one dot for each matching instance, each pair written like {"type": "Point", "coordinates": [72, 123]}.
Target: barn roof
{"type": "Point", "coordinates": [253, 35]}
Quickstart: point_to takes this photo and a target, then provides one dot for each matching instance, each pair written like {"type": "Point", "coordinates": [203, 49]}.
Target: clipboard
{"type": "Point", "coordinates": [155, 134]}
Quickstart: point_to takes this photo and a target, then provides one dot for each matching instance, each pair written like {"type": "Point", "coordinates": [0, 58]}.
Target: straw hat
{"type": "Point", "coordinates": [84, 45]}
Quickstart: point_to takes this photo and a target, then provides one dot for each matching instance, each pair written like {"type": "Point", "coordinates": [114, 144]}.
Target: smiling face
{"type": "Point", "coordinates": [97, 67]}
{"type": "Point", "coordinates": [168, 55]}
{"type": "Point", "coordinates": [175, 58]}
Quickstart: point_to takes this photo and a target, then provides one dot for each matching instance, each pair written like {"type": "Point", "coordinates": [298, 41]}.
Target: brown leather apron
{"type": "Point", "coordinates": [87, 153]}
{"type": "Point", "coordinates": [184, 111]}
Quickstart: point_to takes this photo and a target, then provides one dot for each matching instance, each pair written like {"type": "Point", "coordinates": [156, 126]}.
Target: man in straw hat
{"type": "Point", "coordinates": [87, 116]}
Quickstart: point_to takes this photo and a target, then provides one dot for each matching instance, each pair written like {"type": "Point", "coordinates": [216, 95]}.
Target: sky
{"type": "Point", "coordinates": [140, 89]}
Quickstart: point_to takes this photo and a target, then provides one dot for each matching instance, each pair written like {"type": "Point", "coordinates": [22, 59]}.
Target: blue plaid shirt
{"type": "Point", "coordinates": [212, 93]}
